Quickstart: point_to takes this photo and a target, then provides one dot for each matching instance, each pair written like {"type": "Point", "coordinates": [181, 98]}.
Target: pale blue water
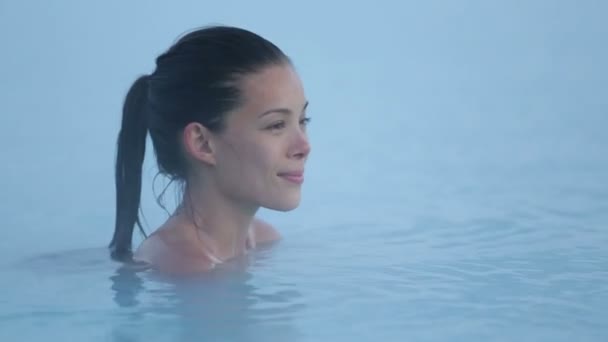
{"type": "Point", "coordinates": [473, 261]}
{"type": "Point", "coordinates": [457, 189]}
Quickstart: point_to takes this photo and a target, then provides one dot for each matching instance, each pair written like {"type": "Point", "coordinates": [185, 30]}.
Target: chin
{"type": "Point", "coordinates": [287, 203]}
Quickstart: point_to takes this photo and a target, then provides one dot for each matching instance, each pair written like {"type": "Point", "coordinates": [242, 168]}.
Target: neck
{"type": "Point", "coordinates": [223, 224]}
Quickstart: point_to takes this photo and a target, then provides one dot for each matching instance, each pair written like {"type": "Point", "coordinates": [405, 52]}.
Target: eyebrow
{"type": "Point", "coordinates": [284, 111]}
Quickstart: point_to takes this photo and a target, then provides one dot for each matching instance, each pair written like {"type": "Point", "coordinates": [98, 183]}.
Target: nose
{"type": "Point", "coordinates": [300, 147]}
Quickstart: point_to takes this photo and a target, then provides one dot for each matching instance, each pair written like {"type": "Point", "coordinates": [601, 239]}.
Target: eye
{"type": "Point", "coordinates": [305, 121]}
{"type": "Point", "coordinates": [277, 126]}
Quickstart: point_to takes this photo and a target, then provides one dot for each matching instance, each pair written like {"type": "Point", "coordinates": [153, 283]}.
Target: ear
{"type": "Point", "coordinates": [198, 143]}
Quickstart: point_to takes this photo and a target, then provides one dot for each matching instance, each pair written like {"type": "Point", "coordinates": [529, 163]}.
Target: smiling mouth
{"type": "Point", "coordinates": [293, 177]}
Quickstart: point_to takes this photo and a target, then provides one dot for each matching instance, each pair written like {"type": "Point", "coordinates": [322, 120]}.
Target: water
{"type": "Point", "coordinates": [457, 188]}
{"type": "Point", "coordinates": [464, 263]}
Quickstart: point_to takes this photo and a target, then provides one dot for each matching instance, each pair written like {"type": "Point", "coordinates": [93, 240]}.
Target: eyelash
{"type": "Point", "coordinates": [305, 121]}
{"type": "Point", "coordinates": [281, 124]}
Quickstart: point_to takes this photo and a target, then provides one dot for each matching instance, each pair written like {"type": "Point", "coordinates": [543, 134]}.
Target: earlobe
{"type": "Point", "coordinates": [197, 140]}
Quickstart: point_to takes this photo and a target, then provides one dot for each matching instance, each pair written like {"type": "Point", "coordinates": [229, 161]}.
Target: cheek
{"type": "Point", "coordinates": [248, 166]}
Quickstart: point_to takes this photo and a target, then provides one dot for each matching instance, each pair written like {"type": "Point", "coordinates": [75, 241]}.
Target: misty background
{"type": "Point", "coordinates": [406, 99]}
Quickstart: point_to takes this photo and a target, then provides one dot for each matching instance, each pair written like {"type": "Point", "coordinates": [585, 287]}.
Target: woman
{"type": "Point", "coordinates": [225, 110]}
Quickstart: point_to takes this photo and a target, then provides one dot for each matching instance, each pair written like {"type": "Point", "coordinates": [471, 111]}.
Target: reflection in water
{"type": "Point", "coordinates": [222, 305]}
{"type": "Point", "coordinates": [126, 284]}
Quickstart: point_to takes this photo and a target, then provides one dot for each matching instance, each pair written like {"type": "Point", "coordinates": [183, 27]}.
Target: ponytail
{"type": "Point", "coordinates": [131, 149]}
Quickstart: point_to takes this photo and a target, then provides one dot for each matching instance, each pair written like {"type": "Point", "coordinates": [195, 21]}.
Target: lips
{"type": "Point", "coordinates": [296, 177]}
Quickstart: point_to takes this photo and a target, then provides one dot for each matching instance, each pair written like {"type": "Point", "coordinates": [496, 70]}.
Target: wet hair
{"type": "Point", "coordinates": [196, 80]}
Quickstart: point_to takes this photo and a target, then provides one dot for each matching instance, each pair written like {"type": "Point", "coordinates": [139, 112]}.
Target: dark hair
{"type": "Point", "coordinates": [196, 80]}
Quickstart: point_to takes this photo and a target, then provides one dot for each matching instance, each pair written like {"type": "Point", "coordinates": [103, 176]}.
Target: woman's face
{"type": "Point", "coordinates": [260, 156]}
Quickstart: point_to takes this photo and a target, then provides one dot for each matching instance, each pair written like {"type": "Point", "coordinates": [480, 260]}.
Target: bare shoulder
{"type": "Point", "coordinates": [264, 232]}
{"type": "Point", "coordinates": [177, 260]}
{"type": "Point", "coordinates": [150, 249]}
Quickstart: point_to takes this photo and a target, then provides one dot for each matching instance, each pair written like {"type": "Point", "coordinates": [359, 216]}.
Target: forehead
{"type": "Point", "coordinates": [277, 86]}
